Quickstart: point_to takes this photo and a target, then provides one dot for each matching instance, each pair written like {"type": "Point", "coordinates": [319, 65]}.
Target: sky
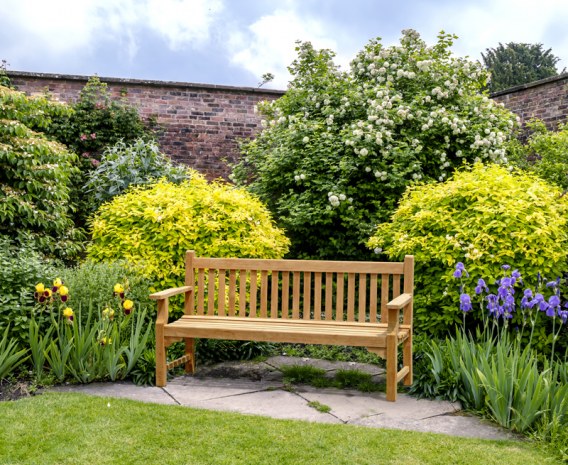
{"type": "Point", "coordinates": [235, 42]}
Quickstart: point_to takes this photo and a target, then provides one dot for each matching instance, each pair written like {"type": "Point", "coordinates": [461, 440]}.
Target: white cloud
{"type": "Point", "coordinates": [64, 26]}
{"type": "Point", "coordinates": [183, 22]}
{"type": "Point", "coordinates": [268, 44]}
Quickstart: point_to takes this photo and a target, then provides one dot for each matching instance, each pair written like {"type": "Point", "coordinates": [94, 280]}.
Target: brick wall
{"type": "Point", "coordinates": [200, 123]}
{"type": "Point", "coordinates": [546, 99]}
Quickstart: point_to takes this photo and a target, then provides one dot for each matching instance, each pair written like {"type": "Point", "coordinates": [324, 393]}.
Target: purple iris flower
{"type": "Point", "coordinates": [460, 270]}
{"type": "Point", "coordinates": [481, 286]}
{"type": "Point", "coordinates": [492, 304]}
{"type": "Point", "coordinates": [465, 303]}
{"type": "Point", "coordinates": [526, 301]}
{"type": "Point", "coordinates": [563, 314]}
{"type": "Point", "coordinates": [506, 267]}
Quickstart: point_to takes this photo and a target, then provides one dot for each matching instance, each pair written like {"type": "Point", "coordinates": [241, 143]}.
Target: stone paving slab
{"type": "Point", "coordinates": [275, 404]}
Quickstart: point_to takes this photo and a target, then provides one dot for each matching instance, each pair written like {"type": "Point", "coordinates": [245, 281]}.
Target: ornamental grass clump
{"type": "Point", "coordinates": [499, 372]}
{"type": "Point", "coordinates": [152, 227]}
{"type": "Point", "coordinates": [86, 344]}
{"type": "Point", "coordinates": [483, 216]}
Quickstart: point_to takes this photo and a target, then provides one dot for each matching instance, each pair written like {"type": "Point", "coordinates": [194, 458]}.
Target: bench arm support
{"type": "Point", "coordinates": [163, 299]}
{"type": "Point", "coordinates": [394, 307]}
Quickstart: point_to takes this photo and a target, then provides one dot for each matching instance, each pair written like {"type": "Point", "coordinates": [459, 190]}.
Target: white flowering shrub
{"type": "Point", "coordinates": [339, 148]}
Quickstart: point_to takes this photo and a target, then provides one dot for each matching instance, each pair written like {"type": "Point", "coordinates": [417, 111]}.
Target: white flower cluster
{"type": "Point", "coordinates": [336, 199]}
{"type": "Point", "coordinates": [299, 177]}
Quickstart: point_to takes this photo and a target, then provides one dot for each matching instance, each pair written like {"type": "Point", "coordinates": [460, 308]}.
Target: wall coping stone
{"type": "Point", "coordinates": [143, 82]}
{"type": "Point", "coordinates": [528, 85]}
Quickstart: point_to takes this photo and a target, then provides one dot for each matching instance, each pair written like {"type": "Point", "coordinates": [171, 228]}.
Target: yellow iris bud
{"type": "Point", "coordinates": [40, 288]}
{"type": "Point", "coordinates": [108, 313]}
{"type": "Point", "coordinates": [68, 312]}
{"type": "Point", "coordinates": [63, 290]}
{"type": "Point", "coordinates": [57, 282]}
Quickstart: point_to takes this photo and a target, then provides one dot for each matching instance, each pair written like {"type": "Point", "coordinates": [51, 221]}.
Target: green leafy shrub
{"type": "Point", "coordinates": [484, 217]}
{"type": "Point", "coordinates": [339, 148]}
{"type": "Point", "coordinates": [21, 267]}
{"type": "Point", "coordinates": [93, 283]}
{"type": "Point", "coordinates": [154, 226]}
{"type": "Point", "coordinates": [35, 176]}
{"type": "Point", "coordinates": [545, 153]}
{"type": "Point", "coordinates": [124, 165]}
{"type": "Point", "coordinates": [97, 120]}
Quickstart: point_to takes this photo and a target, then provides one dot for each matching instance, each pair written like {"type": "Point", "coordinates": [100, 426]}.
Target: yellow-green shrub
{"type": "Point", "coordinates": [484, 217]}
{"type": "Point", "coordinates": [152, 227]}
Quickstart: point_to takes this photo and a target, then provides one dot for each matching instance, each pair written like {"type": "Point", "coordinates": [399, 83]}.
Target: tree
{"type": "Point", "coordinates": [339, 148]}
{"type": "Point", "coordinates": [514, 64]}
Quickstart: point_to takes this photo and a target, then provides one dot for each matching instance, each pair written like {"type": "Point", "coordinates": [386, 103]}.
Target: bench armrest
{"type": "Point", "coordinates": [399, 302]}
{"type": "Point", "coordinates": [170, 292]}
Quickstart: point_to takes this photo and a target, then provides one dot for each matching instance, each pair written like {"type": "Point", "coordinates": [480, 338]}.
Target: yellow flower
{"type": "Point", "coordinates": [128, 304]}
{"type": "Point", "coordinates": [57, 283]}
{"type": "Point", "coordinates": [63, 290]}
{"type": "Point", "coordinates": [104, 341]}
{"type": "Point", "coordinates": [108, 313]}
{"type": "Point", "coordinates": [68, 312]}
{"type": "Point", "coordinates": [40, 288]}
{"type": "Point", "coordinates": [118, 289]}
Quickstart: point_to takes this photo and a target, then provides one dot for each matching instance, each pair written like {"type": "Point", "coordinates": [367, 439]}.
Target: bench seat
{"type": "Point", "coordinates": [280, 330]}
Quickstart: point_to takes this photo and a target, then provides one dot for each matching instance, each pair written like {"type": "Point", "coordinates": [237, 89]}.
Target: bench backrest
{"type": "Point", "coordinates": [297, 289]}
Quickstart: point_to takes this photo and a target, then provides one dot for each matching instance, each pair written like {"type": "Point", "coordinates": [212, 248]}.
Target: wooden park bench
{"type": "Point", "coordinates": [292, 301]}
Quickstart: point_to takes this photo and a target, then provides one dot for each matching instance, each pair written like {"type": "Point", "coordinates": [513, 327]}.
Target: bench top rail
{"type": "Point", "coordinates": [313, 266]}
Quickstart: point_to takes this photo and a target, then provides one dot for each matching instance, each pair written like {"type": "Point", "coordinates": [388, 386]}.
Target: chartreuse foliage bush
{"type": "Point", "coordinates": [545, 153]}
{"type": "Point", "coordinates": [154, 226]}
{"type": "Point", "coordinates": [339, 148]}
{"type": "Point", "coordinates": [124, 165]}
{"type": "Point", "coordinates": [35, 176]}
{"type": "Point", "coordinates": [485, 217]}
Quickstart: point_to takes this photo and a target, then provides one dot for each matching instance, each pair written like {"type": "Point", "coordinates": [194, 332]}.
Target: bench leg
{"type": "Point", "coordinates": [407, 360]}
{"type": "Point", "coordinates": [161, 370]}
{"type": "Point", "coordinates": [392, 365]}
{"type": "Point", "coordinates": [190, 350]}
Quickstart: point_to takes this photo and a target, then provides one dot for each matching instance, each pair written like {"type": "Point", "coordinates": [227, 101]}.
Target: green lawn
{"type": "Point", "coordinates": [78, 429]}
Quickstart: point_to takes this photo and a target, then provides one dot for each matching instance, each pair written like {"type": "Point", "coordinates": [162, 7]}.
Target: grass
{"type": "Point", "coordinates": [343, 379]}
{"type": "Point", "coordinates": [78, 429]}
{"type": "Point", "coordinates": [319, 406]}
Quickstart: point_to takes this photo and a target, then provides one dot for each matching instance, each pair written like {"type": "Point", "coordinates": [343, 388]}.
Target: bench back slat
{"type": "Point", "coordinates": [297, 289]}
{"type": "Point", "coordinates": [362, 310]}
{"type": "Point", "coordinates": [317, 296]}
{"type": "Point", "coordinates": [307, 294]}
{"type": "Point", "coordinates": [373, 298]}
